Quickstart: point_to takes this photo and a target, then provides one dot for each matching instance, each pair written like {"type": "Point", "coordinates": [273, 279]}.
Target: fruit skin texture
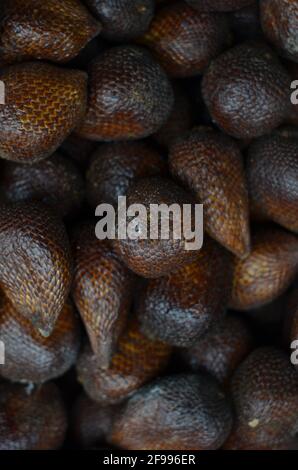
{"type": "Point", "coordinates": [210, 165]}
{"type": "Point", "coordinates": [35, 262]}
{"type": "Point", "coordinates": [51, 30]}
{"type": "Point", "coordinates": [32, 130]}
{"type": "Point", "coordinates": [130, 95]}
{"type": "Point", "coordinates": [280, 25]}
{"type": "Point", "coordinates": [246, 91]}
{"type": "Point", "coordinates": [30, 357]}
{"type": "Point", "coordinates": [221, 350]}
{"type": "Point", "coordinates": [181, 307]}
{"type": "Point", "coordinates": [155, 258]}
{"type": "Point", "coordinates": [265, 395]}
{"type": "Point", "coordinates": [55, 181]}
{"type": "Point", "coordinates": [122, 19]}
{"type": "Point", "coordinates": [102, 290]}
{"type": "Point", "coordinates": [31, 420]}
{"type": "Point", "coordinates": [268, 271]}
{"type": "Point", "coordinates": [219, 5]}
{"type": "Point", "coordinates": [181, 412]}
{"type": "Point", "coordinates": [272, 172]}
{"type": "Point", "coordinates": [184, 40]}
{"type": "Point", "coordinates": [114, 166]}
{"type": "Point", "coordinates": [136, 361]}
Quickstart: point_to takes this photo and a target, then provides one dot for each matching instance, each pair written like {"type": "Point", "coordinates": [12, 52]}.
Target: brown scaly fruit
{"type": "Point", "coordinates": [30, 357]}
{"type": "Point", "coordinates": [222, 349]}
{"type": "Point", "coordinates": [158, 257]}
{"type": "Point", "coordinates": [272, 172]}
{"type": "Point", "coordinates": [33, 129]}
{"type": "Point", "coordinates": [219, 5]}
{"type": "Point", "coordinates": [136, 361]}
{"type": "Point", "coordinates": [51, 30]}
{"type": "Point", "coordinates": [246, 91]}
{"type": "Point", "coordinates": [269, 269]}
{"type": "Point", "coordinates": [114, 166]}
{"type": "Point", "coordinates": [130, 95]}
{"type": "Point", "coordinates": [31, 419]}
{"type": "Point", "coordinates": [55, 181]}
{"type": "Point", "coordinates": [280, 25]}
{"type": "Point", "coordinates": [91, 422]}
{"type": "Point", "coordinates": [181, 412]}
{"type": "Point", "coordinates": [181, 307]}
{"type": "Point", "coordinates": [210, 165]}
{"type": "Point", "coordinates": [102, 290]}
{"type": "Point", "coordinates": [35, 263]}
{"type": "Point", "coordinates": [184, 41]}
{"type": "Point", "coordinates": [264, 390]}
{"type": "Point", "coordinates": [122, 20]}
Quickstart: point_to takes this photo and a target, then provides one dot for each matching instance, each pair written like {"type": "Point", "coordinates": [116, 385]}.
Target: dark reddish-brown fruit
{"type": "Point", "coordinates": [210, 165]}
{"type": "Point", "coordinates": [43, 104]}
{"type": "Point", "coordinates": [245, 23]}
{"type": "Point", "coordinates": [29, 357]}
{"type": "Point", "coordinates": [35, 262]}
{"type": "Point", "coordinates": [265, 394]}
{"type": "Point", "coordinates": [180, 120]}
{"type": "Point", "coordinates": [92, 422]}
{"type": "Point", "coordinates": [122, 19]}
{"type": "Point", "coordinates": [181, 307]}
{"type": "Point", "coordinates": [102, 290]}
{"type": "Point", "coordinates": [154, 257]}
{"type": "Point", "coordinates": [222, 349]}
{"type": "Point", "coordinates": [272, 171]}
{"type": "Point", "coordinates": [130, 95]}
{"type": "Point", "coordinates": [246, 91]}
{"type": "Point", "coordinates": [218, 5]}
{"type": "Point", "coordinates": [137, 360]}
{"type": "Point", "coordinates": [268, 271]}
{"type": "Point", "coordinates": [55, 181]}
{"type": "Point", "coordinates": [184, 40]}
{"type": "Point", "coordinates": [280, 25]}
{"type": "Point", "coordinates": [113, 167]}
{"type": "Point", "coordinates": [31, 419]}
{"type": "Point", "coordinates": [181, 412]}
{"type": "Point", "coordinates": [51, 30]}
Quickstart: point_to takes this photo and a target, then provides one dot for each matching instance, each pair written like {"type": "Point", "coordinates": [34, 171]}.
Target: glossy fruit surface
{"type": "Point", "coordinates": [130, 95]}
{"type": "Point", "coordinates": [183, 412]}
{"type": "Point", "coordinates": [33, 129]}
{"type": "Point", "coordinates": [247, 91]}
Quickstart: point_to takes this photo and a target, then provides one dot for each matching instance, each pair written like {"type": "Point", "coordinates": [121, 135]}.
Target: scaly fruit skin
{"type": "Point", "coordinates": [91, 422]}
{"type": "Point", "coordinates": [268, 271]}
{"type": "Point", "coordinates": [31, 419]}
{"type": "Point", "coordinates": [272, 172]}
{"type": "Point", "coordinates": [181, 307]}
{"type": "Point", "coordinates": [35, 262]}
{"type": "Point", "coordinates": [31, 130]}
{"type": "Point", "coordinates": [246, 91]}
{"type": "Point", "coordinates": [280, 25]}
{"type": "Point", "coordinates": [136, 361]}
{"type": "Point", "coordinates": [181, 412]}
{"type": "Point", "coordinates": [265, 395]}
{"type": "Point", "coordinates": [114, 166]}
{"type": "Point", "coordinates": [152, 258]}
{"type": "Point", "coordinates": [219, 5]}
{"type": "Point", "coordinates": [51, 30]}
{"type": "Point", "coordinates": [55, 181]}
{"type": "Point", "coordinates": [184, 41]}
{"type": "Point", "coordinates": [222, 349]}
{"type": "Point", "coordinates": [29, 357]}
{"type": "Point", "coordinates": [102, 290]}
{"type": "Point", "coordinates": [122, 19]}
{"type": "Point", "coordinates": [130, 95]}
{"type": "Point", "coordinates": [210, 165]}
